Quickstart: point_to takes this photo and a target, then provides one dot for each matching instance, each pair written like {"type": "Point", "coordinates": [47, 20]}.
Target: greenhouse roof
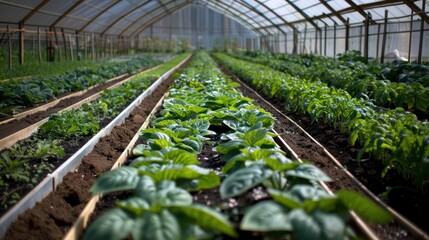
{"type": "Point", "coordinates": [130, 17]}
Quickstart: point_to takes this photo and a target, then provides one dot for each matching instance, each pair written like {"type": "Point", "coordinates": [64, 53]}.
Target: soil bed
{"type": "Point", "coordinates": [54, 215]}
{"type": "Point", "coordinates": [337, 144]}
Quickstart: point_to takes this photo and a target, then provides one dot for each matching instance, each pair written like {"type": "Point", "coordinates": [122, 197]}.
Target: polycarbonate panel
{"type": "Point", "coordinates": [149, 16]}
{"type": "Point", "coordinates": [43, 19]}
{"type": "Point", "coordinates": [275, 15]}
{"type": "Point", "coordinates": [239, 16]}
{"type": "Point", "coordinates": [58, 6]}
{"type": "Point", "coordinates": [11, 14]}
{"type": "Point", "coordinates": [353, 17]}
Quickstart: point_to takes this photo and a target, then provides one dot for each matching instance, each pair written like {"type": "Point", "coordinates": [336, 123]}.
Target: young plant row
{"type": "Point", "coordinates": [395, 137]}
{"type": "Point", "coordinates": [25, 163]}
{"type": "Point", "coordinates": [165, 170]}
{"type": "Point", "coordinates": [15, 95]}
{"type": "Point", "coordinates": [351, 73]}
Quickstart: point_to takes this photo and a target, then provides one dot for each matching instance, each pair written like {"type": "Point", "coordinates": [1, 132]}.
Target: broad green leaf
{"type": "Point", "coordinates": [173, 197]}
{"type": "Point", "coordinates": [197, 146]}
{"type": "Point", "coordinates": [233, 124]}
{"type": "Point", "coordinates": [160, 135]}
{"type": "Point", "coordinates": [201, 125]}
{"type": "Point", "coordinates": [229, 146]}
{"type": "Point", "coordinates": [253, 137]}
{"type": "Point", "coordinates": [364, 207]}
{"type": "Point", "coordinates": [181, 157]}
{"type": "Point", "coordinates": [281, 165]}
{"type": "Point", "coordinates": [208, 181]}
{"type": "Point", "coordinates": [284, 199]}
{"type": "Point", "coordinates": [306, 192]}
{"type": "Point", "coordinates": [140, 149]}
{"type": "Point", "coordinates": [157, 226]}
{"type": "Point", "coordinates": [206, 218]}
{"type": "Point", "coordinates": [159, 144]}
{"type": "Point", "coordinates": [266, 216]}
{"type": "Point", "coordinates": [135, 205]}
{"type": "Point", "coordinates": [169, 102]}
{"type": "Point", "coordinates": [113, 225]}
{"type": "Point", "coordinates": [164, 123]}
{"type": "Point", "coordinates": [244, 179]}
{"type": "Point", "coordinates": [122, 178]}
{"type": "Point", "coordinates": [308, 171]}
{"type": "Point", "coordinates": [319, 225]}
{"type": "Point", "coordinates": [140, 161]}
{"type": "Point", "coordinates": [145, 188]}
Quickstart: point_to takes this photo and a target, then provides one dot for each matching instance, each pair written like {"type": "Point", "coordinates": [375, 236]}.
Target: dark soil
{"type": "Point", "coordinates": [19, 124]}
{"type": "Point", "coordinates": [337, 144]}
{"type": "Point", "coordinates": [54, 215]}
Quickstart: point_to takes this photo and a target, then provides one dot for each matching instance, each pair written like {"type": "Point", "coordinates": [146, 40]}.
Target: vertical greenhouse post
{"type": "Point", "coordinates": [422, 31]}
{"type": "Point", "coordinates": [9, 41]}
{"type": "Point", "coordinates": [77, 46]}
{"type": "Point", "coordinates": [64, 43]}
{"type": "Point", "coordinates": [366, 43]}
{"type": "Point", "coordinates": [71, 47]}
{"type": "Point", "coordinates": [383, 45]}
{"type": "Point", "coordinates": [411, 35]}
{"type": "Point", "coordinates": [335, 40]}
{"type": "Point", "coordinates": [92, 47]}
{"type": "Point", "coordinates": [347, 34]}
{"type": "Point", "coordinates": [378, 41]}
{"type": "Point", "coordinates": [57, 43]}
{"type": "Point", "coordinates": [85, 49]}
{"type": "Point", "coordinates": [305, 38]}
{"type": "Point", "coordinates": [39, 50]}
{"type": "Point", "coordinates": [21, 42]}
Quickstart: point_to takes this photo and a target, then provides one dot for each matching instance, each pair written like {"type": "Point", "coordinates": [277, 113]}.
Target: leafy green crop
{"type": "Point", "coordinates": [395, 137]}
{"type": "Point", "coordinates": [360, 79]}
{"type": "Point", "coordinates": [25, 163]}
{"type": "Point", "coordinates": [305, 212]}
{"type": "Point", "coordinates": [157, 210]}
{"type": "Point", "coordinates": [15, 95]}
{"type": "Point", "coordinates": [201, 101]}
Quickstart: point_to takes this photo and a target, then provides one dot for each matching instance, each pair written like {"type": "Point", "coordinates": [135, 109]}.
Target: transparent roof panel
{"type": "Point", "coordinates": [127, 16]}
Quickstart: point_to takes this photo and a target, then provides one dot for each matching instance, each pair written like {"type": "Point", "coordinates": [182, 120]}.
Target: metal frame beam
{"type": "Point", "coordinates": [336, 14]}
{"type": "Point", "coordinates": [276, 14]}
{"type": "Point", "coordinates": [252, 8]}
{"type": "Point", "coordinates": [158, 17]}
{"type": "Point", "coordinates": [360, 10]}
{"type": "Point", "coordinates": [417, 10]}
{"type": "Point", "coordinates": [299, 10]}
{"type": "Point", "coordinates": [32, 12]}
{"type": "Point", "coordinates": [98, 15]}
{"type": "Point", "coordinates": [238, 11]}
{"type": "Point", "coordinates": [219, 9]}
{"type": "Point", "coordinates": [66, 13]}
{"type": "Point", "coordinates": [124, 15]}
{"type": "Point", "coordinates": [362, 6]}
{"type": "Point", "coordinates": [141, 17]}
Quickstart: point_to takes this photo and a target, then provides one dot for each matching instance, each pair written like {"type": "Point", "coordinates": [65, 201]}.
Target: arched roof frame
{"type": "Point", "coordinates": [31, 13]}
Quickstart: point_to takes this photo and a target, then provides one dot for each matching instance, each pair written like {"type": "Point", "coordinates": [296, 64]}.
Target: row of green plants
{"type": "Point", "coordinates": [351, 72]}
{"type": "Point", "coordinates": [395, 137]}
{"type": "Point", "coordinates": [26, 162]}
{"type": "Point", "coordinates": [201, 106]}
{"type": "Point", "coordinates": [19, 94]}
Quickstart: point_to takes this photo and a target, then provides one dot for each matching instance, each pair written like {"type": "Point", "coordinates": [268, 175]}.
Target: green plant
{"type": "Point", "coordinates": [385, 134]}
{"type": "Point", "coordinates": [158, 210]}
{"type": "Point", "coordinates": [306, 212]}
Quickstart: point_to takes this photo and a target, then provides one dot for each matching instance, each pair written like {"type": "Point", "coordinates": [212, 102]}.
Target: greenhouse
{"type": "Point", "coordinates": [214, 119]}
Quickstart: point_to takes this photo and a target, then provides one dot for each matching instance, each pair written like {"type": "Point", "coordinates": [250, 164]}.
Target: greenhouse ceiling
{"type": "Point", "coordinates": [128, 17]}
